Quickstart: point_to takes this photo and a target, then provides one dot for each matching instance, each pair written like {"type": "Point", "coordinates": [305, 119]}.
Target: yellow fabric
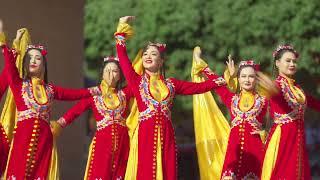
{"type": "Point", "coordinates": [133, 126]}
{"type": "Point", "coordinates": [125, 28]}
{"type": "Point", "coordinates": [157, 88]}
{"type": "Point", "coordinates": [2, 38]}
{"type": "Point", "coordinates": [301, 98]}
{"type": "Point", "coordinates": [159, 158]}
{"type": "Point", "coordinates": [4, 176]}
{"type": "Point", "coordinates": [211, 132]}
{"type": "Point", "coordinates": [109, 95]}
{"type": "Point", "coordinates": [263, 135]}
{"type": "Point", "coordinates": [246, 100]}
{"type": "Point", "coordinates": [53, 173]}
{"type": "Point", "coordinates": [232, 82]}
{"type": "Point", "coordinates": [8, 115]}
{"type": "Point", "coordinates": [56, 129]}
{"type": "Point", "coordinates": [262, 91]}
{"type": "Point", "coordinates": [89, 160]}
{"type": "Point", "coordinates": [131, 171]}
{"type": "Point", "coordinates": [200, 66]}
{"type": "Point", "coordinates": [39, 92]}
{"type": "Point", "coordinates": [271, 154]}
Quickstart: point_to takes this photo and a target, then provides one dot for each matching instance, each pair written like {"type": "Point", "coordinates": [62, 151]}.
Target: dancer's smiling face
{"type": "Point", "coordinates": [287, 64]}
{"type": "Point", "coordinates": [247, 78]}
{"type": "Point", "coordinates": [151, 59]}
{"type": "Point", "coordinates": [36, 64]}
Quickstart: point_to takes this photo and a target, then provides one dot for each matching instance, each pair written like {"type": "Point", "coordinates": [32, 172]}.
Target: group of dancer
{"type": "Point", "coordinates": [134, 137]}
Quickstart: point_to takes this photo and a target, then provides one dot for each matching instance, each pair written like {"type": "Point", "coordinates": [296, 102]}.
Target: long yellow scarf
{"type": "Point", "coordinates": [211, 130]}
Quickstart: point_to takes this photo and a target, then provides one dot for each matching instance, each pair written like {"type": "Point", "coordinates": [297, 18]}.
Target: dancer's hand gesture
{"type": "Point", "coordinates": [20, 33]}
{"type": "Point", "coordinates": [126, 19]}
{"type": "Point", "coordinates": [1, 26]}
{"type": "Point", "coordinates": [220, 81]}
{"type": "Point", "coordinates": [109, 77]}
{"type": "Point", "coordinates": [267, 84]}
{"type": "Point", "coordinates": [197, 54]}
{"type": "Point", "coordinates": [231, 67]}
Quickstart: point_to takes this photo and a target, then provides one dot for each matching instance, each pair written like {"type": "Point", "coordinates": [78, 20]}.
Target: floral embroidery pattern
{"type": "Point", "coordinates": [228, 175]}
{"type": "Point", "coordinates": [298, 109]}
{"type": "Point", "coordinates": [35, 110]}
{"type": "Point", "coordinates": [111, 116]}
{"type": "Point", "coordinates": [249, 116]}
{"type": "Point", "coordinates": [153, 104]}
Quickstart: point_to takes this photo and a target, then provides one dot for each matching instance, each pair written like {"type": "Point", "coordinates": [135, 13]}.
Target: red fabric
{"type": "Point", "coordinates": [244, 153]}
{"type": "Point", "coordinates": [4, 141]}
{"type": "Point", "coordinates": [158, 116]}
{"type": "Point", "coordinates": [111, 144]}
{"type": "Point", "coordinates": [4, 149]}
{"type": "Point", "coordinates": [292, 149]}
{"type": "Point", "coordinates": [32, 141]}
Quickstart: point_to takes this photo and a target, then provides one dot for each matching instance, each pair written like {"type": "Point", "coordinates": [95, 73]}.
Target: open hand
{"type": "Point", "coordinates": [220, 81]}
{"type": "Point", "coordinates": [231, 67]}
{"type": "Point", "coordinates": [197, 54]}
{"type": "Point", "coordinates": [1, 26]}
{"type": "Point", "coordinates": [126, 19]}
{"type": "Point", "coordinates": [267, 84]}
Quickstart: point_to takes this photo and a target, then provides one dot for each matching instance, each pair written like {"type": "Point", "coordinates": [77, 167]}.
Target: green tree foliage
{"type": "Point", "coordinates": [244, 28]}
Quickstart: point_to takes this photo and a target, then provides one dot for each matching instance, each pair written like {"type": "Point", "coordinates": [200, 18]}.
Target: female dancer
{"type": "Point", "coordinates": [286, 155]}
{"type": "Point", "coordinates": [247, 109]}
{"type": "Point", "coordinates": [4, 141]}
{"type": "Point", "coordinates": [154, 95]}
{"type": "Point", "coordinates": [30, 153]}
{"type": "Point", "coordinates": [109, 149]}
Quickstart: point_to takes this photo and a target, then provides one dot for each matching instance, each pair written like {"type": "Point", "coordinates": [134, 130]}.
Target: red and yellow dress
{"type": "Point", "coordinates": [157, 158]}
{"type": "Point", "coordinates": [30, 151]}
{"type": "Point", "coordinates": [109, 149]}
{"type": "Point", "coordinates": [286, 154]}
{"type": "Point", "coordinates": [245, 148]}
{"type": "Point", "coordinates": [4, 141]}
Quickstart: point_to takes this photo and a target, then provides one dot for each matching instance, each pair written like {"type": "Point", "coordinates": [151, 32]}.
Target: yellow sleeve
{"type": "Point", "coordinates": [126, 29]}
{"type": "Point", "coordinates": [232, 82]}
{"type": "Point", "coordinates": [16, 44]}
{"type": "Point", "coordinates": [2, 38]}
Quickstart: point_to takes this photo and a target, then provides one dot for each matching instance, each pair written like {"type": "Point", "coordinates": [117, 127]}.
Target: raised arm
{"type": "Point", "coordinates": [10, 66]}
{"type": "Point", "coordinates": [74, 112]}
{"type": "Point", "coordinates": [131, 76]}
{"type": "Point", "coordinates": [3, 82]}
{"type": "Point", "coordinates": [123, 33]}
{"type": "Point", "coordinates": [3, 77]}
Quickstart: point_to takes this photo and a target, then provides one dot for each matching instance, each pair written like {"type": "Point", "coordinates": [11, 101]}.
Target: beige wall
{"type": "Point", "coordinates": [58, 24]}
